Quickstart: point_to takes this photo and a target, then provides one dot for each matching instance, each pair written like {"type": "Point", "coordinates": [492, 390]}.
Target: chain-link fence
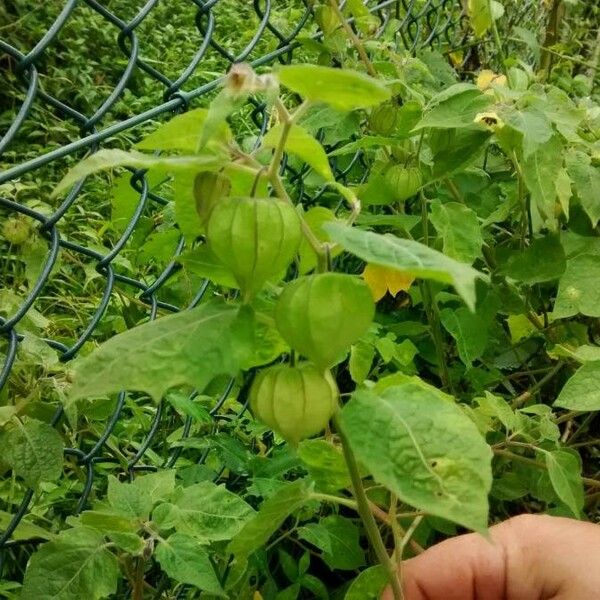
{"type": "Point", "coordinates": [92, 74]}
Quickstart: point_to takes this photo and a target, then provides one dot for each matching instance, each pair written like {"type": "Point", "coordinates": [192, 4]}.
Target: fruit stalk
{"type": "Point", "coordinates": [366, 515]}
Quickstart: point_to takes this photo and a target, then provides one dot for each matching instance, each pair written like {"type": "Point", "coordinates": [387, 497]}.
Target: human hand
{"type": "Point", "coordinates": [530, 558]}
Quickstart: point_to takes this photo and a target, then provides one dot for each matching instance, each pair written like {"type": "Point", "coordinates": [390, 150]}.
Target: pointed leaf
{"type": "Point", "coordinates": [183, 559]}
{"type": "Point", "coordinates": [76, 564]}
{"type": "Point", "coordinates": [342, 89]}
{"type": "Point", "coordinates": [407, 256]}
{"type": "Point", "coordinates": [586, 179]}
{"type": "Point", "coordinates": [303, 145]}
{"type": "Point", "coordinates": [435, 458]}
{"type": "Point", "coordinates": [564, 470]}
{"type": "Point", "coordinates": [582, 391]}
{"type": "Point", "coordinates": [191, 347]}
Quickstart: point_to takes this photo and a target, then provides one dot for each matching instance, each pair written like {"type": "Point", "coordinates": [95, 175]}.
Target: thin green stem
{"type": "Point", "coordinates": [366, 515]}
{"type": "Point", "coordinates": [497, 38]}
{"type": "Point", "coordinates": [356, 42]}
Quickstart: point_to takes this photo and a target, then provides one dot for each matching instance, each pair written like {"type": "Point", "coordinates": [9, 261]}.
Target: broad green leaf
{"type": "Point", "coordinates": [532, 124]}
{"type": "Point", "coordinates": [342, 89]}
{"type": "Point", "coordinates": [499, 408]}
{"type": "Point", "coordinates": [480, 15]}
{"type": "Point", "coordinates": [136, 499]}
{"type": "Point", "coordinates": [455, 107]}
{"type": "Point", "coordinates": [579, 288]}
{"type": "Point", "coordinates": [564, 470]}
{"type": "Point", "coordinates": [33, 450]}
{"type": "Point", "coordinates": [435, 458]}
{"type": "Point", "coordinates": [459, 228]}
{"type": "Point", "coordinates": [182, 132]}
{"type": "Point", "coordinates": [183, 559]}
{"type": "Point", "coordinates": [469, 331]}
{"type": "Point", "coordinates": [408, 256]}
{"type": "Point", "coordinates": [325, 464]}
{"type": "Point", "coordinates": [369, 584]}
{"type": "Point", "coordinates": [76, 564]}
{"type": "Point", "coordinates": [205, 511]}
{"type": "Point", "coordinates": [104, 160]}
{"type": "Point", "coordinates": [539, 173]}
{"type": "Point", "coordinates": [201, 261]}
{"type": "Point", "coordinates": [586, 180]}
{"type": "Point", "coordinates": [191, 347]}
{"type": "Point", "coordinates": [303, 145]}
{"type": "Point", "coordinates": [338, 539]}
{"type": "Point", "coordinates": [543, 260]}
{"type": "Point", "coordinates": [272, 513]}
{"type": "Point", "coordinates": [25, 529]}
{"type": "Point", "coordinates": [582, 391]}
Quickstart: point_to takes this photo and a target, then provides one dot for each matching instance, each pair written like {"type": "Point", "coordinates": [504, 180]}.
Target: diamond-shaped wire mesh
{"type": "Point", "coordinates": [101, 73]}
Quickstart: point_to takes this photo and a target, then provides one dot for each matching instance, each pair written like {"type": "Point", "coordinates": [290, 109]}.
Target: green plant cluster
{"type": "Point", "coordinates": [417, 339]}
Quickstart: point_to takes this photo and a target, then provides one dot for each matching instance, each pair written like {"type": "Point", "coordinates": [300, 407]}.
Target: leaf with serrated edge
{"type": "Point", "coordinates": [435, 458]}
{"type": "Point", "coordinates": [582, 390]}
{"type": "Point", "coordinates": [191, 347]}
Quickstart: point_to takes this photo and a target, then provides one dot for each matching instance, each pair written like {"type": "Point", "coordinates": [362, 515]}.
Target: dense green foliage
{"type": "Point", "coordinates": [446, 284]}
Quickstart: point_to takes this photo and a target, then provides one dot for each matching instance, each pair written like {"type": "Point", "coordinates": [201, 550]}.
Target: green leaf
{"type": "Point", "coordinates": [369, 585]}
{"type": "Point", "coordinates": [182, 132]}
{"type": "Point", "coordinates": [273, 512]}
{"type": "Point", "coordinates": [182, 558]}
{"type": "Point", "coordinates": [190, 347]}
{"type": "Point", "coordinates": [455, 149]}
{"type": "Point", "coordinates": [455, 107]}
{"type": "Point", "coordinates": [579, 288]}
{"type": "Point", "coordinates": [33, 450]}
{"type": "Point", "coordinates": [341, 89]}
{"type": "Point", "coordinates": [460, 230]}
{"type": "Point", "coordinates": [543, 260]}
{"type": "Point", "coordinates": [407, 256]}
{"type": "Point", "coordinates": [205, 511]}
{"type": "Point", "coordinates": [136, 499]}
{"type": "Point", "coordinates": [303, 145]}
{"type": "Point", "coordinates": [531, 123]}
{"type": "Point", "coordinates": [480, 15]}
{"type": "Point", "coordinates": [325, 464]}
{"type": "Point", "coordinates": [108, 159]}
{"type": "Point", "coordinates": [25, 530]}
{"type": "Point", "coordinates": [361, 361]}
{"type": "Point", "coordinates": [366, 142]}
{"type": "Point", "coordinates": [582, 391]}
{"type": "Point", "coordinates": [337, 538]}
{"type": "Point", "coordinates": [435, 458]}
{"type": "Point", "coordinates": [202, 262]}
{"type": "Point", "coordinates": [469, 331]}
{"type": "Point", "coordinates": [586, 180]}
{"type": "Point", "coordinates": [76, 564]}
{"type": "Point", "coordinates": [564, 470]}
{"type": "Point", "coordinates": [539, 173]}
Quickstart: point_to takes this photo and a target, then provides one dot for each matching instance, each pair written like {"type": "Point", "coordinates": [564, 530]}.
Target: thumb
{"type": "Point", "coordinates": [526, 557]}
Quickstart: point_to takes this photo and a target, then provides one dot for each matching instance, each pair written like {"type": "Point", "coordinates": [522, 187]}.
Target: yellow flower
{"type": "Point", "coordinates": [486, 78]}
{"type": "Point", "coordinates": [490, 120]}
{"type": "Point", "coordinates": [382, 280]}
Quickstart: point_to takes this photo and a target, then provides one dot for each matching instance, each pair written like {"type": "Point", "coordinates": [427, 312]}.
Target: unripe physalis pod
{"type": "Point", "coordinates": [209, 188]}
{"type": "Point", "coordinates": [296, 402]}
{"type": "Point", "coordinates": [256, 238]}
{"type": "Point", "coordinates": [322, 315]}
{"type": "Point", "coordinates": [384, 118]}
{"type": "Point", "coordinates": [404, 182]}
{"type": "Point", "coordinates": [15, 231]}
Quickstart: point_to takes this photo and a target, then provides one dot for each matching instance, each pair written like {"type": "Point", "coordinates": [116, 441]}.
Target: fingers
{"type": "Point", "coordinates": [526, 557]}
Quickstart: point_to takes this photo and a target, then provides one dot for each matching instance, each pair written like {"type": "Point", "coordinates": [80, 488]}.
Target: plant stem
{"type": "Point", "coordinates": [497, 38]}
{"type": "Point", "coordinates": [365, 513]}
{"type": "Point", "coordinates": [551, 38]}
{"type": "Point", "coordinates": [356, 42]}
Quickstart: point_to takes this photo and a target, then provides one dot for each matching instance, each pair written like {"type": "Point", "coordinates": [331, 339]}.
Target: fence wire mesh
{"type": "Point", "coordinates": [100, 75]}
